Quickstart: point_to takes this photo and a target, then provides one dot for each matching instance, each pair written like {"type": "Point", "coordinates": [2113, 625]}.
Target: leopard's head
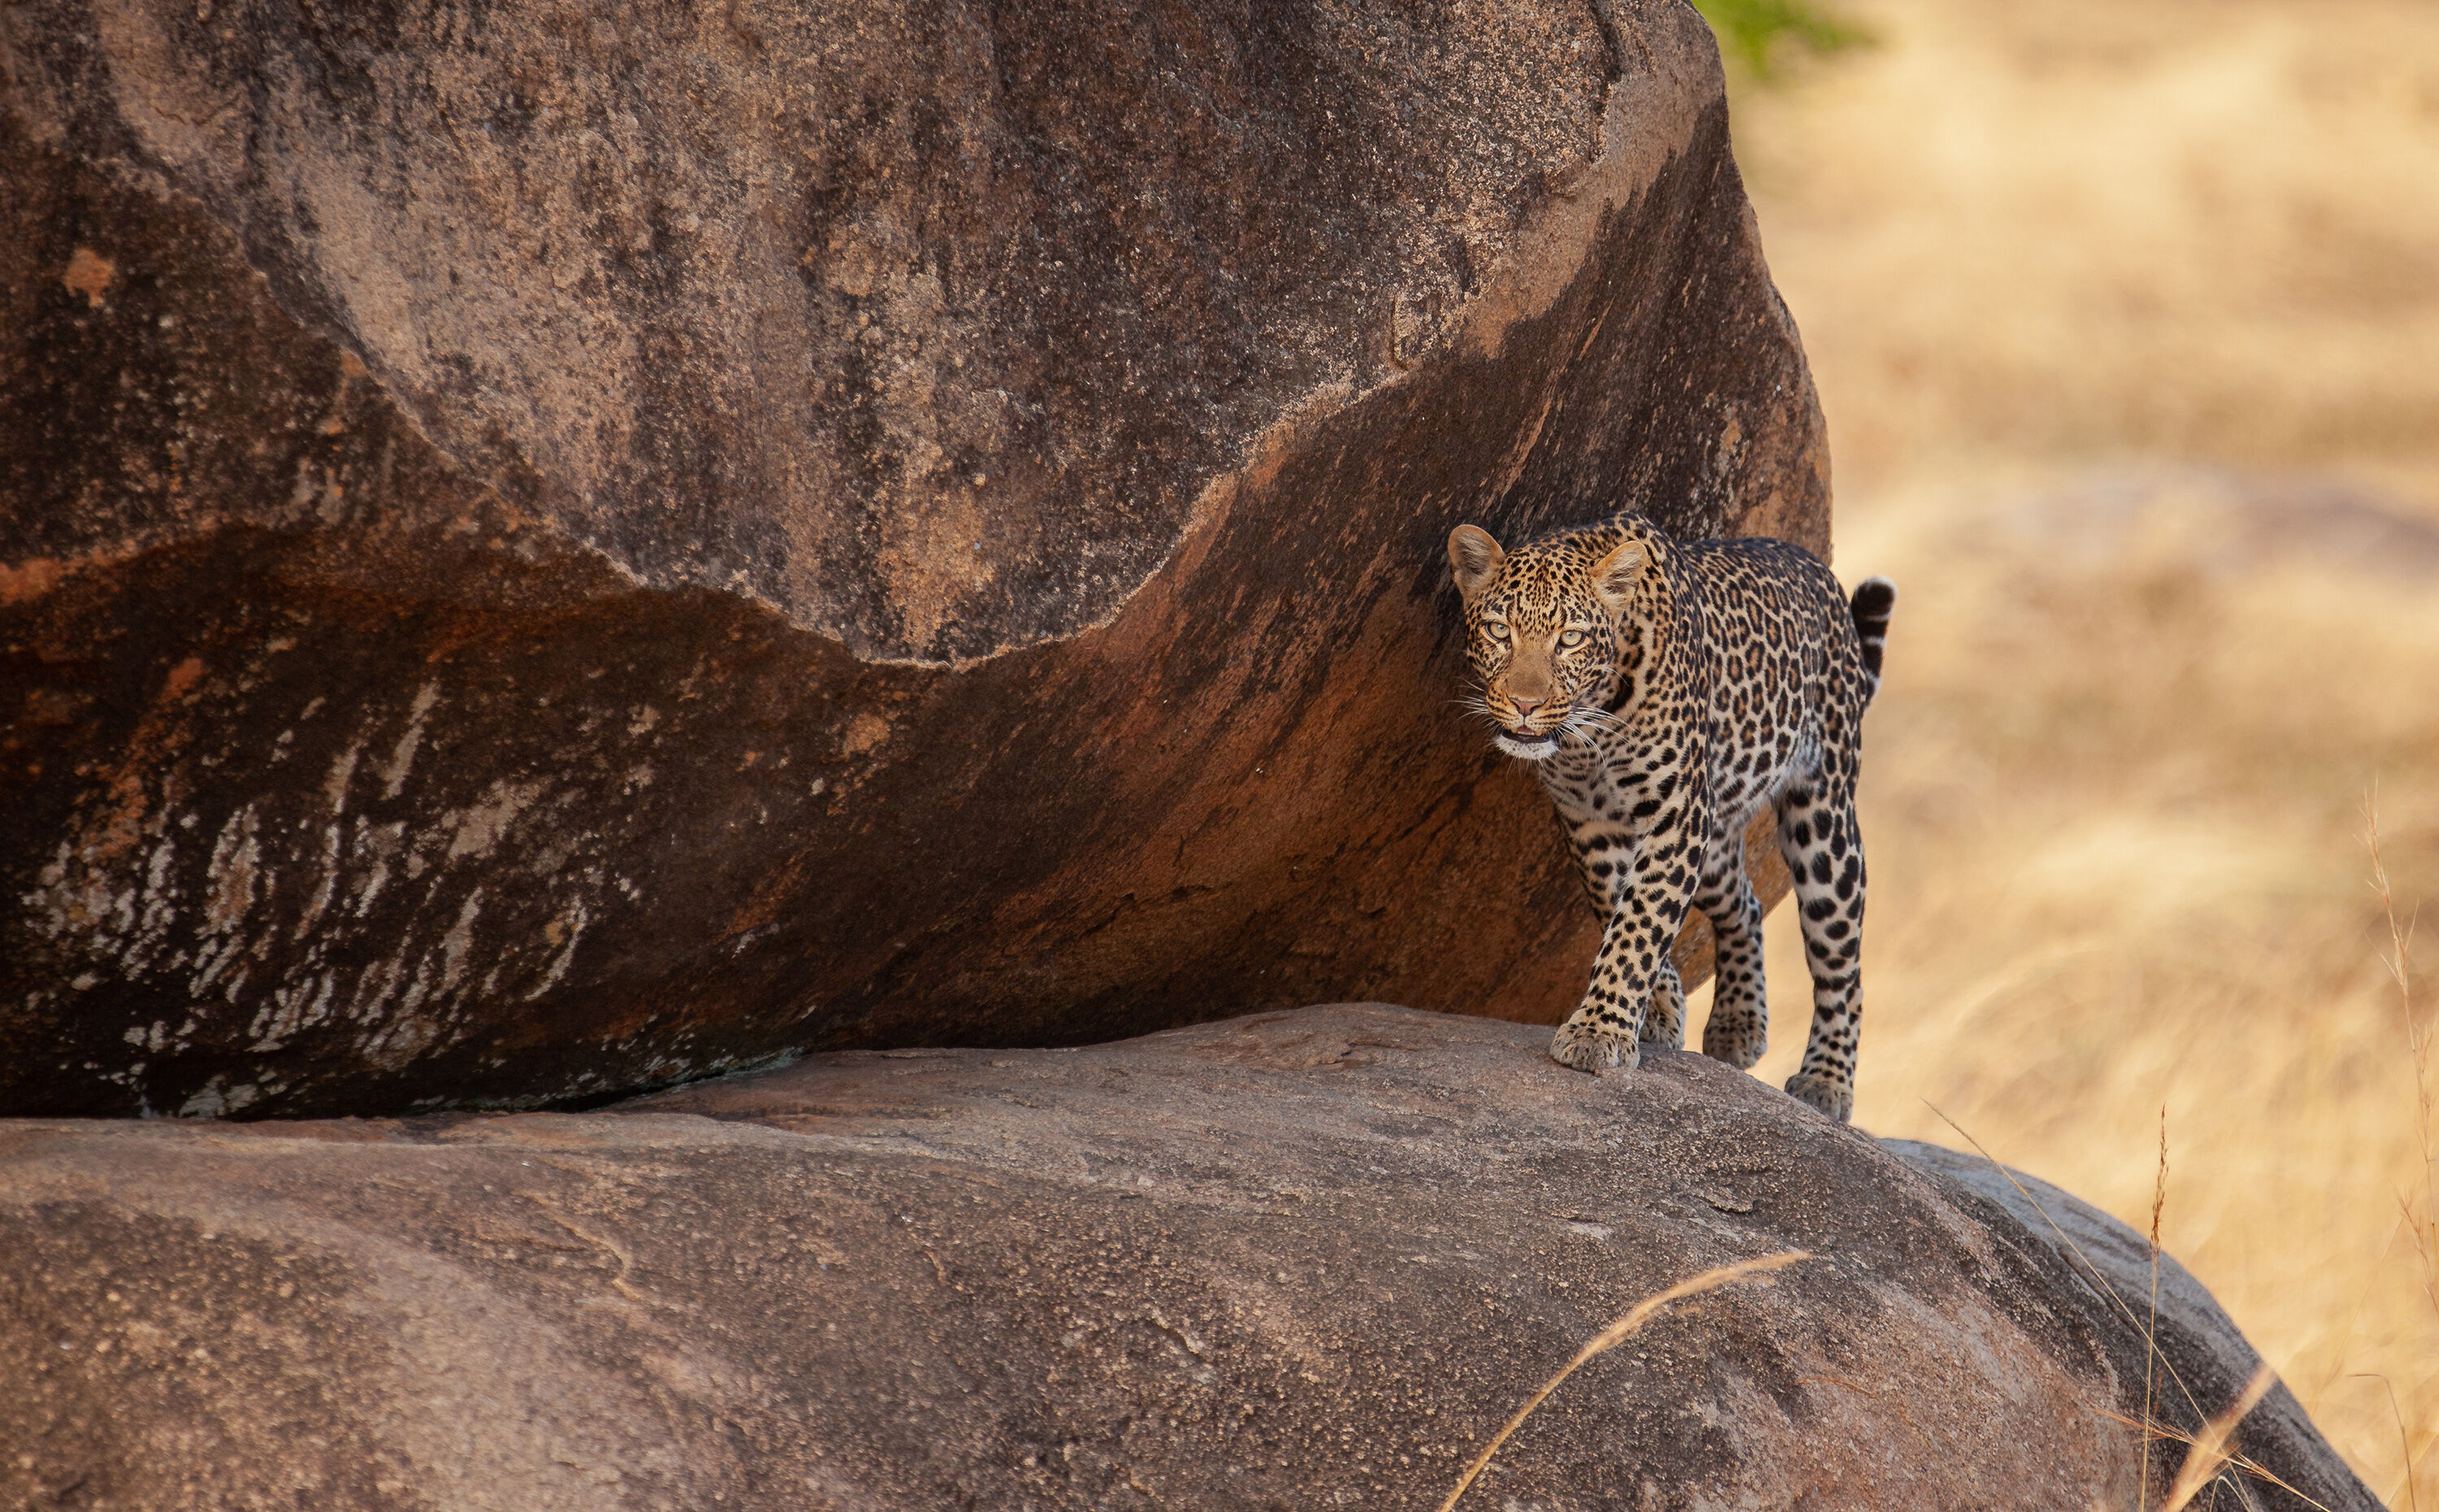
{"type": "Point", "coordinates": [1547, 630]}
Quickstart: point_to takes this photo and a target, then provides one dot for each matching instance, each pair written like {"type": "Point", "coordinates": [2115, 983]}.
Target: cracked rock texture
{"type": "Point", "coordinates": [1307, 1259]}
{"type": "Point", "coordinates": [546, 552]}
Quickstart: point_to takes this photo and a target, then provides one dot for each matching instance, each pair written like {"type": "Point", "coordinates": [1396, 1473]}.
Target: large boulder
{"type": "Point", "coordinates": [1307, 1259]}
{"type": "Point", "coordinates": [544, 552]}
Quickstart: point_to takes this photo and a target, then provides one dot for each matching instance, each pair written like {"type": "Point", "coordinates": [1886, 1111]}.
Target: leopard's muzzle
{"type": "Point", "coordinates": [1530, 712]}
{"type": "Point", "coordinates": [1528, 743]}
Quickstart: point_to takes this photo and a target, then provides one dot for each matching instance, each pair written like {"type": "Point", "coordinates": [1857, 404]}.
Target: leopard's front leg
{"type": "Point", "coordinates": [1653, 876]}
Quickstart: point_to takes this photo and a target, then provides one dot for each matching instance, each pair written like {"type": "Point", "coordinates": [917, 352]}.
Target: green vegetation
{"type": "Point", "coordinates": [1753, 29]}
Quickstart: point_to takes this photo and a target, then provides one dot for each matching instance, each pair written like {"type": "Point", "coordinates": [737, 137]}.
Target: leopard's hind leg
{"type": "Point", "coordinates": [1738, 1029]}
{"type": "Point", "coordinates": [1825, 853]}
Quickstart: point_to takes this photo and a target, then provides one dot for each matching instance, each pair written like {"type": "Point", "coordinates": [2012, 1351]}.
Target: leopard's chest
{"type": "Point", "coordinates": [1626, 778]}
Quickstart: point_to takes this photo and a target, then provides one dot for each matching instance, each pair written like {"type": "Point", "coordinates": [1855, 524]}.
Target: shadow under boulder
{"type": "Point", "coordinates": [1304, 1259]}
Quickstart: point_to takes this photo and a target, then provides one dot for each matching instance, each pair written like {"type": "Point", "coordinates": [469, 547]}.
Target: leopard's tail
{"type": "Point", "coordinates": [1875, 599]}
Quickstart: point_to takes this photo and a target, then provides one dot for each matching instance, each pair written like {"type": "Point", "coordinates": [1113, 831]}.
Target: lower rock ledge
{"type": "Point", "coordinates": [1307, 1259]}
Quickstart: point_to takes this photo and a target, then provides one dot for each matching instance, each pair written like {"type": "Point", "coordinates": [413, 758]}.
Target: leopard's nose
{"type": "Point", "coordinates": [1524, 707]}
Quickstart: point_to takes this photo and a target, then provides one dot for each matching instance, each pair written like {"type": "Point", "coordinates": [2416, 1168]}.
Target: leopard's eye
{"type": "Point", "coordinates": [1572, 638]}
{"type": "Point", "coordinates": [1496, 630]}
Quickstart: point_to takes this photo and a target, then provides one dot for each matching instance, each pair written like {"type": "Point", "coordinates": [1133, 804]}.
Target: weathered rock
{"type": "Point", "coordinates": [541, 555]}
{"type": "Point", "coordinates": [2205, 1361]}
{"type": "Point", "coordinates": [1303, 1260]}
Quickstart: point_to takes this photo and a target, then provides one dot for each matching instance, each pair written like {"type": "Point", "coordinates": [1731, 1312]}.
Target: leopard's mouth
{"type": "Point", "coordinates": [1532, 745]}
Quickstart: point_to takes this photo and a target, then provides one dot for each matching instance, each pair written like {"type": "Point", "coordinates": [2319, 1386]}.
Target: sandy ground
{"type": "Point", "coordinates": [2126, 318]}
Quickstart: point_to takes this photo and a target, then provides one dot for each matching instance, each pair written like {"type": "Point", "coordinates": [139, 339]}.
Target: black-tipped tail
{"type": "Point", "coordinates": [1875, 599]}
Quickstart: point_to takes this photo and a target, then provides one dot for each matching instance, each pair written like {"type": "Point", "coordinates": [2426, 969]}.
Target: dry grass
{"type": "Point", "coordinates": [1616, 1334]}
{"type": "Point", "coordinates": [2200, 227]}
{"type": "Point", "coordinates": [2113, 804]}
{"type": "Point", "coordinates": [2207, 1457]}
{"type": "Point", "coordinates": [2111, 307]}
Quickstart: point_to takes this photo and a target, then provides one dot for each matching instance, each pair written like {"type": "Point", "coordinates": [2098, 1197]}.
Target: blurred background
{"type": "Point", "coordinates": [2125, 319]}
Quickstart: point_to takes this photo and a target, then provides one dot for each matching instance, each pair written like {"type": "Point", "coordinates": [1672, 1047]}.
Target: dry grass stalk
{"type": "Point", "coordinates": [2147, 1425]}
{"type": "Point", "coordinates": [2425, 1230]}
{"type": "Point", "coordinates": [2152, 1333]}
{"type": "Point", "coordinates": [2404, 1440]}
{"type": "Point", "coordinates": [2234, 1461]}
{"type": "Point", "coordinates": [1615, 1334]}
{"type": "Point", "coordinates": [2207, 1457]}
{"type": "Point", "coordinates": [2417, 1037]}
{"type": "Point", "coordinates": [2093, 1273]}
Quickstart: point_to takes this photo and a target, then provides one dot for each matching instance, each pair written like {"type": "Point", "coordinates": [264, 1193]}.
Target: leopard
{"type": "Point", "coordinates": [1665, 692]}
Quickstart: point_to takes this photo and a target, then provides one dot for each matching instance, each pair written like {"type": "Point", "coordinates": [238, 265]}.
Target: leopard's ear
{"type": "Point", "coordinates": [1615, 575]}
{"type": "Point", "coordinates": [1476, 559]}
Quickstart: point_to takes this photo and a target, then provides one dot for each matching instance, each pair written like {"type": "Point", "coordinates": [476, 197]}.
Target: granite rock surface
{"type": "Point", "coordinates": [545, 553]}
{"type": "Point", "coordinates": [1307, 1259]}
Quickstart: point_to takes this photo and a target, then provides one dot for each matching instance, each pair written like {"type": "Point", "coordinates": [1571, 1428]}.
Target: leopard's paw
{"type": "Point", "coordinates": [1738, 1044]}
{"type": "Point", "coordinates": [1833, 1096]}
{"type": "Point", "coordinates": [1587, 1048]}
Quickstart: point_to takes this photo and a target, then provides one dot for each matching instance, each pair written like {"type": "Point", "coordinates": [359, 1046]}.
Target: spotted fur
{"type": "Point", "coordinates": [1666, 691]}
